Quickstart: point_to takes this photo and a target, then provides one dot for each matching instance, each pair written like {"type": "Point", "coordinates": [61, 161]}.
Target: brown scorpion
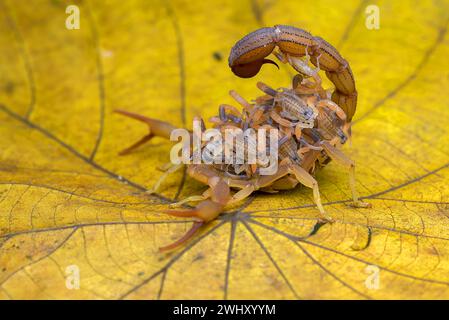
{"type": "Point", "coordinates": [313, 124]}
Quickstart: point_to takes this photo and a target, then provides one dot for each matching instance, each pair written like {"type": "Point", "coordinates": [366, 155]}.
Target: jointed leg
{"type": "Point", "coordinates": [204, 196]}
{"type": "Point", "coordinates": [306, 179]}
{"type": "Point", "coordinates": [242, 194]}
{"type": "Point", "coordinates": [329, 104]}
{"type": "Point", "coordinates": [164, 176]}
{"type": "Point", "coordinates": [344, 160]}
{"type": "Point", "coordinates": [297, 80]}
{"type": "Point", "coordinates": [305, 70]}
{"type": "Point", "coordinates": [282, 121]}
{"type": "Point", "coordinates": [242, 101]}
{"type": "Point", "coordinates": [285, 168]}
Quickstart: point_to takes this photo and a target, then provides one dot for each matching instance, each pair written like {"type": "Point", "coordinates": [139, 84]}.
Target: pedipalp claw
{"type": "Point", "coordinates": [205, 211]}
{"type": "Point", "coordinates": [187, 236]}
{"type": "Point", "coordinates": [184, 213]}
{"type": "Point", "coordinates": [136, 145]}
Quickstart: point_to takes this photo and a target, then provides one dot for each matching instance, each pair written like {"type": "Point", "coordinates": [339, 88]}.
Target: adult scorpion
{"type": "Point", "coordinates": [313, 124]}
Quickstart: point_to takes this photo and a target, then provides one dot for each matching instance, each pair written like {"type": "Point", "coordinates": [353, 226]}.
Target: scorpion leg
{"type": "Point", "coordinates": [298, 131]}
{"type": "Point", "coordinates": [297, 80]}
{"type": "Point", "coordinates": [240, 100]}
{"type": "Point", "coordinates": [164, 176]}
{"type": "Point", "coordinates": [242, 194]}
{"type": "Point", "coordinates": [283, 122]}
{"type": "Point", "coordinates": [344, 160]}
{"type": "Point", "coordinates": [204, 196]}
{"type": "Point", "coordinates": [307, 180]}
{"type": "Point", "coordinates": [256, 117]}
{"type": "Point", "coordinates": [155, 127]}
{"type": "Point", "coordinates": [285, 183]}
{"type": "Point", "coordinates": [287, 167]}
{"type": "Point", "coordinates": [304, 69]}
{"type": "Point", "coordinates": [136, 145]}
{"type": "Point", "coordinates": [229, 112]}
{"type": "Point", "coordinates": [266, 89]}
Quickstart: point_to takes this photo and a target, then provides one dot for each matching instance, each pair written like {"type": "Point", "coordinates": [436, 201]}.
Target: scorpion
{"type": "Point", "coordinates": [313, 123]}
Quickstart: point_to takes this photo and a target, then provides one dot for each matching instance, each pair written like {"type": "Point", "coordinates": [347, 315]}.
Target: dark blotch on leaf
{"type": "Point", "coordinates": [217, 56]}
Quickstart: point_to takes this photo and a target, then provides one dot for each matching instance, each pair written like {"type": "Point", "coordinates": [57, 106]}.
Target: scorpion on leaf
{"type": "Point", "coordinates": [313, 124]}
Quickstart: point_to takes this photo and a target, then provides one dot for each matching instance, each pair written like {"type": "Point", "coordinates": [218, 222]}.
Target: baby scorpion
{"type": "Point", "coordinates": [313, 124]}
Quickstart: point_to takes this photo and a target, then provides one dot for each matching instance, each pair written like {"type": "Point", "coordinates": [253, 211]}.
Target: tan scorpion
{"type": "Point", "coordinates": [313, 124]}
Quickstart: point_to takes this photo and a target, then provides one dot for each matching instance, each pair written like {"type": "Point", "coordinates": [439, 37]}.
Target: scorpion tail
{"type": "Point", "coordinates": [248, 55]}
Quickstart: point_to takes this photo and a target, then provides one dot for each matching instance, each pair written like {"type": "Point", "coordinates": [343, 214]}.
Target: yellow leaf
{"type": "Point", "coordinates": [67, 199]}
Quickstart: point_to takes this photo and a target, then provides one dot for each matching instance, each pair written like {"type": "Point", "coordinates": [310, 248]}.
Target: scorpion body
{"type": "Point", "coordinates": [313, 124]}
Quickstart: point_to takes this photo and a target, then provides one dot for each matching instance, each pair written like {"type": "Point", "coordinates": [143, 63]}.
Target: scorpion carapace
{"type": "Point", "coordinates": [311, 123]}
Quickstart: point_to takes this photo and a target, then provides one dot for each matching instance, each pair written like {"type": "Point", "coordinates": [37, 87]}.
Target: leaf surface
{"type": "Point", "coordinates": [67, 199]}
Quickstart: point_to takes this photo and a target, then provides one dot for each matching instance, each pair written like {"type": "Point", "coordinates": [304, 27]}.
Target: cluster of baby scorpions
{"type": "Point", "coordinates": [313, 123]}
